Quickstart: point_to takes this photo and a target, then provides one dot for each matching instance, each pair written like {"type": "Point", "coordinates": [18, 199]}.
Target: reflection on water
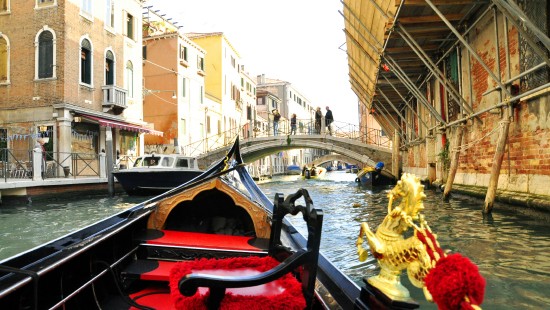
{"type": "Point", "coordinates": [24, 227]}
{"type": "Point", "coordinates": [511, 247]}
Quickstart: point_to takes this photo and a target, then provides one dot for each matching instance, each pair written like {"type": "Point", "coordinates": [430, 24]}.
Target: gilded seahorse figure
{"type": "Point", "coordinates": [393, 251]}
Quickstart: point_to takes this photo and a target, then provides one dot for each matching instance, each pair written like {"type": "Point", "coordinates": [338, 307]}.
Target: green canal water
{"type": "Point", "coordinates": [511, 247]}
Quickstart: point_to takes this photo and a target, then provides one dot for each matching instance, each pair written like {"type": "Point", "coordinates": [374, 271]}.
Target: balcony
{"type": "Point", "coordinates": [114, 98]}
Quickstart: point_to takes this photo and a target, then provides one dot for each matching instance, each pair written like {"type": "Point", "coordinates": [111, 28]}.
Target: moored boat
{"type": "Point", "coordinates": [375, 176]}
{"type": "Point", "coordinates": [293, 170]}
{"type": "Point", "coordinates": [155, 174]}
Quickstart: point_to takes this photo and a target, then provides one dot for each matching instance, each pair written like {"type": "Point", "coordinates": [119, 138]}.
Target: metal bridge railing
{"type": "Point", "coordinates": [303, 127]}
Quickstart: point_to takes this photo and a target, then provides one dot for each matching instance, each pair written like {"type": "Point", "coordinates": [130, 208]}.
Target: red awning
{"type": "Point", "coordinates": [125, 126]}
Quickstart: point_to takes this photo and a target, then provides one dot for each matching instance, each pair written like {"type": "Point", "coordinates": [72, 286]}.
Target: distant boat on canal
{"type": "Point", "coordinates": [293, 170]}
{"type": "Point", "coordinates": [155, 174]}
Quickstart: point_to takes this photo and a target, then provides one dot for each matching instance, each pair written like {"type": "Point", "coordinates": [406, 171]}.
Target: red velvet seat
{"type": "Point", "coordinates": [283, 293]}
{"type": "Point", "coordinates": [186, 278]}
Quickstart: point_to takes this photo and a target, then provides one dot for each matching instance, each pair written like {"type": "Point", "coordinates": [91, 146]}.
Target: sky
{"type": "Point", "coordinates": [298, 41]}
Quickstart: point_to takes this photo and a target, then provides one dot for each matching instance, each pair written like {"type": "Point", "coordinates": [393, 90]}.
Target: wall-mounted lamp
{"type": "Point", "coordinates": [174, 95]}
{"type": "Point", "coordinates": [43, 128]}
{"type": "Point", "coordinates": [77, 119]}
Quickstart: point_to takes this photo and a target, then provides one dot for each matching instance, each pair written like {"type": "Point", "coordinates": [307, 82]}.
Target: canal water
{"type": "Point", "coordinates": [511, 247]}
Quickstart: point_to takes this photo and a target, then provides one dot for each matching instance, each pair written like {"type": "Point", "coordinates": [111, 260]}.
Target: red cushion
{"type": "Point", "coordinates": [283, 293]}
{"type": "Point", "coordinates": [202, 240]}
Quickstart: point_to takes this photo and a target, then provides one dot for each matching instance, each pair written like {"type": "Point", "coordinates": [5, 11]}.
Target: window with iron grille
{"type": "Point", "coordinates": [538, 12]}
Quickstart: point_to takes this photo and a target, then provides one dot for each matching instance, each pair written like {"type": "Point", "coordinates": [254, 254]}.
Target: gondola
{"type": "Point", "coordinates": [136, 258]}
{"type": "Point", "coordinates": [215, 242]}
{"type": "Point", "coordinates": [374, 176]}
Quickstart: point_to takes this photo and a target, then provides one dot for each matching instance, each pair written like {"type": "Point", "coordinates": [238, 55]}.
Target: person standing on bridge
{"type": "Point", "coordinates": [293, 124]}
{"type": "Point", "coordinates": [328, 120]}
{"type": "Point", "coordinates": [276, 118]}
{"type": "Point", "coordinates": [318, 117]}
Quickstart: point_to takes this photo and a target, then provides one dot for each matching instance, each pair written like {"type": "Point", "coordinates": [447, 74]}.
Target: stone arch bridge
{"type": "Point", "coordinates": [348, 150]}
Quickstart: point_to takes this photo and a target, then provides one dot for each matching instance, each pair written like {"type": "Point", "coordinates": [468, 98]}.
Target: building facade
{"type": "Point", "coordinates": [71, 77]}
{"type": "Point", "coordinates": [173, 79]}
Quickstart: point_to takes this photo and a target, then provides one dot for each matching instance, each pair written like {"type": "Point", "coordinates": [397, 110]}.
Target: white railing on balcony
{"type": "Point", "coordinates": [114, 96]}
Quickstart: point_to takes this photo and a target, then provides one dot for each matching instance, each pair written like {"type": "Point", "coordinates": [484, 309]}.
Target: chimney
{"type": "Point", "coordinates": [261, 79]}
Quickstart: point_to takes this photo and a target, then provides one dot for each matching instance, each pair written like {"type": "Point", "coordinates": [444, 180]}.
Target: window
{"type": "Point", "coordinates": [86, 7]}
{"type": "Point", "coordinates": [109, 68]}
{"type": "Point", "coordinates": [182, 162]}
{"type": "Point", "coordinates": [208, 124]}
{"type": "Point", "coordinates": [4, 6]}
{"type": "Point", "coordinates": [4, 59]}
{"type": "Point", "coordinates": [202, 95]}
{"type": "Point", "coordinates": [144, 51]}
{"type": "Point", "coordinates": [45, 55]}
{"type": "Point", "coordinates": [41, 3]}
{"type": "Point", "coordinates": [130, 79]}
{"type": "Point", "coordinates": [130, 26]}
{"type": "Point", "coordinates": [86, 62]}
{"type": "Point", "coordinates": [183, 88]}
{"type": "Point", "coordinates": [110, 13]}
{"type": "Point", "coordinates": [200, 63]}
{"type": "Point", "coordinates": [183, 52]}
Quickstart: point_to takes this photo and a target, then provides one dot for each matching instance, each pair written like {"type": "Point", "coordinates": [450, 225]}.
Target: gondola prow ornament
{"type": "Point", "coordinates": [451, 281]}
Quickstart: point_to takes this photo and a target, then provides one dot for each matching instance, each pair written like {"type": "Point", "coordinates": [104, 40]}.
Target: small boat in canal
{"type": "Point", "coordinates": [155, 174]}
{"type": "Point", "coordinates": [217, 242]}
{"type": "Point", "coordinates": [293, 170]}
{"type": "Point", "coordinates": [313, 172]}
{"type": "Point", "coordinates": [375, 176]}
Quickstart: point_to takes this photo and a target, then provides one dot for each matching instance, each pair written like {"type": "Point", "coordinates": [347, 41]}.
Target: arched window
{"type": "Point", "coordinates": [4, 59]}
{"type": "Point", "coordinates": [45, 55]}
{"type": "Point", "coordinates": [4, 6]}
{"type": "Point", "coordinates": [109, 68]}
{"type": "Point", "coordinates": [86, 62]}
{"type": "Point", "coordinates": [130, 79]}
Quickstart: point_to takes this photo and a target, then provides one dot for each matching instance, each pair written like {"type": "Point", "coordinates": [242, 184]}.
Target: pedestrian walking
{"type": "Point", "coordinates": [276, 118]}
{"type": "Point", "coordinates": [328, 120]}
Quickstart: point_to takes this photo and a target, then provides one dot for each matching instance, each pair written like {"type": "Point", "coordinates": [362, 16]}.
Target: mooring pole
{"type": "Point", "coordinates": [395, 155]}
{"type": "Point", "coordinates": [454, 162]}
{"type": "Point", "coordinates": [497, 163]}
{"type": "Point", "coordinates": [109, 147]}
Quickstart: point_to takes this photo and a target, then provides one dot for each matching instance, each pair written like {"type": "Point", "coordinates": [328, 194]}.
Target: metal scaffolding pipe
{"type": "Point", "coordinates": [433, 68]}
{"type": "Point", "coordinates": [519, 76]}
{"type": "Point", "coordinates": [474, 53]}
{"type": "Point", "coordinates": [412, 88]}
{"type": "Point", "coordinates": [405, 101]}
{"type": "Point", "coordinates": [498, 105]}
{"type": "Point", "coordinates": [515, 9]}
{"type": "Point", "coordinates": [394, 108]}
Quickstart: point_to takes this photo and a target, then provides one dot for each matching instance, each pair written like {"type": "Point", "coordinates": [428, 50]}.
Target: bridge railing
{"type": "Point", "coordinates": [303, 127]}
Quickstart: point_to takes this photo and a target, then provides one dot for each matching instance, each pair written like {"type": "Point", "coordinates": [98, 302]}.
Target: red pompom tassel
{"type": "Point", "coordinates": [453, 279]}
